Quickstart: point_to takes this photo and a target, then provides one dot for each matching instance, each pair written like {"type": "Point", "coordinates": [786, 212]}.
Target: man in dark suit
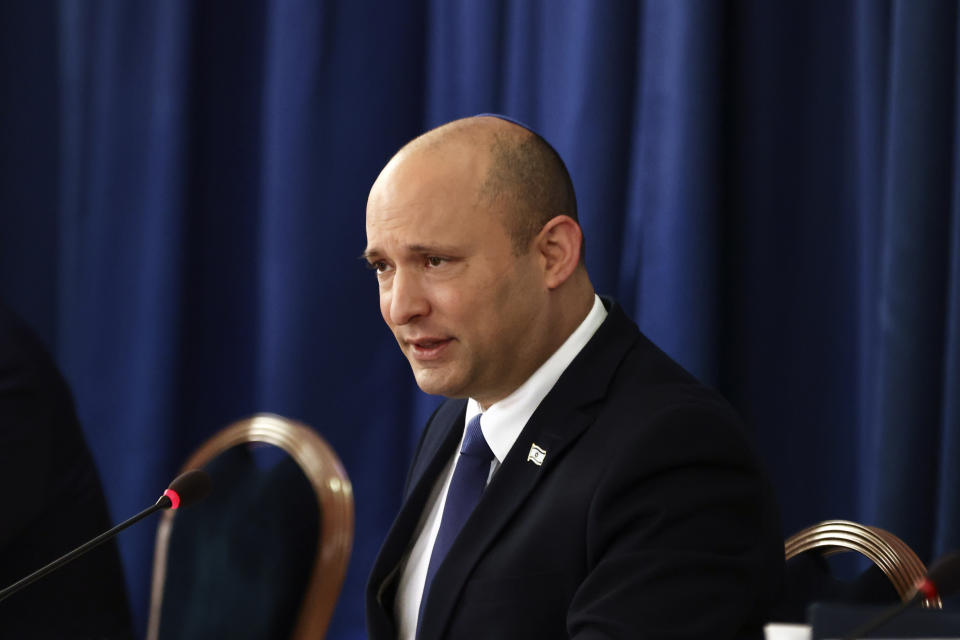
{"type": "Point", "coordinates": [52, 503]}
{"type": "Point", "coordinates": [621, 499]}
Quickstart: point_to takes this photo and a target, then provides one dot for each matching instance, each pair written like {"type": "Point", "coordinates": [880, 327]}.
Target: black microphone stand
{"type": "Point", "coordinates": [163, 503]}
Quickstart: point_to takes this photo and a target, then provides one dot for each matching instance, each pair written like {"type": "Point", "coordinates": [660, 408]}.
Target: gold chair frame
{"type": "Point", "coordinates": [897, 561]}
{"type": "Point", "coordinates": [334, 499]}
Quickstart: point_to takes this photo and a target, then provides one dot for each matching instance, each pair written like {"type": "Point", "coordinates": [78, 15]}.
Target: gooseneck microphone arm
{"type": "Point", "coordinates": [79, 551]}
{"type": "Point", "coordinates": [185, 489]}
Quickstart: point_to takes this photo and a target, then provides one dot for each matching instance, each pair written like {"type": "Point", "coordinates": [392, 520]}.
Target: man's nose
{"type": "Point", "coordinates": [408, 300]}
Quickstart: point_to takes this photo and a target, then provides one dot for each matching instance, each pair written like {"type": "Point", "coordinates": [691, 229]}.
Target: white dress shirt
{"type": "Point", "coordinates": [501, 425]}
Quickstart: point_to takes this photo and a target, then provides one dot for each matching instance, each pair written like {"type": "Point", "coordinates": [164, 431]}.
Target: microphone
{"type": "Point", "coordinates": [942, 580]}
{"type": "Point", "coordinates": [186, 489]}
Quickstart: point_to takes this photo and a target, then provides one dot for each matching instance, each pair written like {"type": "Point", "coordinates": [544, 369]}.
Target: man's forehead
{"type": "Point", "coordinates": [419, 177]}
{"type": "Point", "coordinates": [442, 172]}
{"type": "Point", "coordinates": [441, 220]}
{"type": "Point", "coordinates": [435, 214]}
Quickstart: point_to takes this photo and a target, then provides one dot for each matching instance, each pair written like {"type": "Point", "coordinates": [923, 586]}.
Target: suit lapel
{"type": "Point", "coordinates": [439, 441]}
{"type": "Point", "coordinates": [440, 438]}
{"type": "Point", "coordinates": [556, 424]}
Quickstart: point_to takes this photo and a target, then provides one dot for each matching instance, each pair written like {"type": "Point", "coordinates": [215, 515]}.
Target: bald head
{"type": "Point", "coordinates": [471, 232]}
{"type": "Point", "coordinates": [523, 177]}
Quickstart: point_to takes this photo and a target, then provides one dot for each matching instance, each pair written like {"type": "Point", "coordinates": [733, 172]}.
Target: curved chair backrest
{"type": "Point", "coordinates": [888, 552]}
{"type": "Point", "coordinates": [323, 484]}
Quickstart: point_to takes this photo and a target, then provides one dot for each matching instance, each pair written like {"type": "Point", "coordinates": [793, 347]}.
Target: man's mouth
{"type": "Point", "coordinates": [428, 348]}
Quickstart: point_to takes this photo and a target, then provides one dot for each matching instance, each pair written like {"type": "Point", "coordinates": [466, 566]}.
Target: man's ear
{"type": "Point", "coordinates": [558, 245]}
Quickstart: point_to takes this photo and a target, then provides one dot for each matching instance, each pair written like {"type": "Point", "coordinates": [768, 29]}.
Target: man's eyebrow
{"type": "Point", "coordinates": [371, 254]}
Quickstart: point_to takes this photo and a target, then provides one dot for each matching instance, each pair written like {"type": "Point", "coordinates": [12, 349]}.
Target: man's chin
{"type": "Point", "coordinates": [437, 385]}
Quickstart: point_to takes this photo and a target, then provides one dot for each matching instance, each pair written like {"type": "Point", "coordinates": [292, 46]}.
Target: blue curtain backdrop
{"type": "Point", "coordinates": [772, 189]}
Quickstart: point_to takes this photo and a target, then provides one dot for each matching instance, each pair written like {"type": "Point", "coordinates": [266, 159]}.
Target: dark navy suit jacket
{"type": "Point", "coordinates": [649, 517]}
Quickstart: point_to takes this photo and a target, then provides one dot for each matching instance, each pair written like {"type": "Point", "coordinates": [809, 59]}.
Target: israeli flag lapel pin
{"type": "Point", "coordinates": [537, 454]}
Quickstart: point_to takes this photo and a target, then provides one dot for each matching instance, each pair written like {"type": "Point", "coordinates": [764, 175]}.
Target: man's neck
{"type": "Point", "coordinates": [568, 336]}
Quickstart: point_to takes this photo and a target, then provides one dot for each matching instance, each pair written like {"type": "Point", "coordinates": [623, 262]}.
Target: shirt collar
{"type": "Point", "coordinates": [504, 420]}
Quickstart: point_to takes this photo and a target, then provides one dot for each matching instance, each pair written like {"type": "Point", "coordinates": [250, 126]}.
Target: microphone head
{"type": "Point", "coordinates": [945, 574]}
{"type": "Point", "coordinates": [188, 488]}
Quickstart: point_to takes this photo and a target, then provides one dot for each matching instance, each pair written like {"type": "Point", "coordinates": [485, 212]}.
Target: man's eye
{"type": "Point", "coordinates": [379, 266]}
{"type": "Point", "coordinates": [435, 261]}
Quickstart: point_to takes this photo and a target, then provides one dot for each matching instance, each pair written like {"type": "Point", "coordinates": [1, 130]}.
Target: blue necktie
{"type": "Point", "coordinates": [468, 482]}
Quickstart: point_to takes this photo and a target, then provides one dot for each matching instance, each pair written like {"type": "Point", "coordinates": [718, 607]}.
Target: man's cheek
{"type": "Point", "coordinates": [385, 307]}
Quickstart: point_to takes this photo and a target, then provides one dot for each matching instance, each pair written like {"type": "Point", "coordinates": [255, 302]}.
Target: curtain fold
{"type": "Point", "coordinates": [914, 269]}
